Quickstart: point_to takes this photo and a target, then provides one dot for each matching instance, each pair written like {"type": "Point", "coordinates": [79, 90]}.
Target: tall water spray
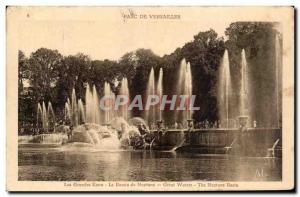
{"type": "Point", "coordinates": [67, 111]}
{"type": "Point", "coordinates": [185, 87]}
{"type": "Point", "coordinates": [109, 103]}
{"type": "Point", "coordinates": [278, 80]}
{"type": "Point", "coordinates": [39, 116]}
{"type": "Point", "coordinates": [74, 109]}
{"type": "Point", "coordinates": [96, 107]}
{"type": "Point", "coordinates": [244, 87]}
{"type": "Point", "coordinates": [124, 91]}
{"type": "Point", "coordinates": [160, 92]}
{"type": "Point", "coordinates": [77, 113]}
{"type": "Point", "coordinates": [92, 109]}
{"type": "Point", "coordinates": [44, 117]}
{"type": "Point", "coordinates": [88, 105]}
{"type": "Point", "coordinates": [181, 77]}
{"type": "Point", "coordinates": [188, 91]}
{"type": "Point", "coordinates": [150, 114]}
{"type": "Point", "coordinates": [224, 90]}
{"type": "Point", "coordinates": [51, 117]}
{"type": "Point", "coordinates": [81, 112]}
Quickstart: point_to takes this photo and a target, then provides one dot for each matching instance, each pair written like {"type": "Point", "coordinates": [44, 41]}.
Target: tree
{"type": "Point", "coordinates": [25, 107]}
{"type": "Point", "coordinates": [23, 69]}
{"type": "Point", "coordinates": [204, 54]}
{"type": "Point", "coordinates": [74, 73]}
{"type": "Point", "coordinates": [44, 66]}
{"type": "Point", "coordinates": [258, 39]}
{"type": "Point", "coordinates": [105, 71]}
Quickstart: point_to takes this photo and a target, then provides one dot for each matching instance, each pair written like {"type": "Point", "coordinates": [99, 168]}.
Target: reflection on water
{"type": "Point", "coordinates": [58, 164]}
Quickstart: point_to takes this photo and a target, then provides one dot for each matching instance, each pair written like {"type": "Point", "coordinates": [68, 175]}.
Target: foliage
{"type": "Point", "coordinates": [52, 76]}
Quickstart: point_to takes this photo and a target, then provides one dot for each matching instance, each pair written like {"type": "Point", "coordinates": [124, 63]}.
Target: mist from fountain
{"type": "Point", "coordinates": [224, 90]}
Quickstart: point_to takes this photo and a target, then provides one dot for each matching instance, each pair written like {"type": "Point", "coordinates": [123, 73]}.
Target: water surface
{"type": "Point", "coordinates": [61, 164]}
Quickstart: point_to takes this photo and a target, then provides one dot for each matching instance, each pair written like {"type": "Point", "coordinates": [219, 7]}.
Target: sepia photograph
{"type": "Point", "coordinates": [150, 98]}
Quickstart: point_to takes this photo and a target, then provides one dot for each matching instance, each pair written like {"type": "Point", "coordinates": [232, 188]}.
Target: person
{"type": "Point", "coordinates": [22, 130]}
{"type": "Point", "coordinates": [70, 131]}
{"type": "Point", "coordinates": [206, 124]}
{"type": "Point", "coordinates": [175, 125]}
{"type": "Point", "coordinates": [34, 130]}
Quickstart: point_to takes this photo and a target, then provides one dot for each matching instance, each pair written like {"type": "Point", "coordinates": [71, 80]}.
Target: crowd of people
{"type": "Point", "coordinates": [32, 129]}
{"type": "Point", "coordinates": [202, 125]}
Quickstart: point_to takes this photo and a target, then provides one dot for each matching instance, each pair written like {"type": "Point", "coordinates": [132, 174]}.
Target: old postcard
{"type": "Point", "coordinates": [150, 98]}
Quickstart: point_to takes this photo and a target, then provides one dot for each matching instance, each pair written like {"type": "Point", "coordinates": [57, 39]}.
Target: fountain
{"type": "Point", "coordinates": [74, 118]}
{"type": "Point", "coordinates": [88, 104]}
{"type": "Point", "coordinates": [67, 111]}
{"type": "Point", "coordinates": [244, 85]}
{"type": "Point", "coordinates": [109, 103]}
{"type": "Point", "coordinates": [45, 117]}
{"type": "Point", "coordinates": [224, 90]}
{"type": "Point", "coordinates": [92, 110]}
{"type": "Point", "coordinates": [112, 131]}
{"type": "Point", "coordinates": [244, 105]}
{"type": "Point", "coordinates": [160, 92]}
{"type": "Point", "coordinates": [124, 92]}
{"type": "Point", "coordinates": [150, 114]}
{"type": "Point", "coordinates": [188, 91]}
{"type": "Point", "coordinates": [51, 118]}
{"type": "Point", "coordinates": [185, 88]}
{"type": "Point", "coordinates": [89, 132]}
{"type": "Point", "coordinates": [96, 111]}
{"type": "Point", "coordinates": [81, 112]}
{"type": "Point", "coordinates": [39, 116]}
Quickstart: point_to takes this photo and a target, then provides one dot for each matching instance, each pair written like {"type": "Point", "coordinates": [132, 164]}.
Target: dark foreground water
{"type": "Point", "coordinates": [60, 164]}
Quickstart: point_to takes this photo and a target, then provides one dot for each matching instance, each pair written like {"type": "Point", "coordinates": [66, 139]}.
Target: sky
{"type": "Point", "coordinates": [104, 34]}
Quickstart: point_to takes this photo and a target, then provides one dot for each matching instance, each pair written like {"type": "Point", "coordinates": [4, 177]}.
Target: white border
{"type": "Point", "coordinates": [3, 4]}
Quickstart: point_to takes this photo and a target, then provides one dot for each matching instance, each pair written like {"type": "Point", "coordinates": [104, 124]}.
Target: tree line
{"type": "Point", "coordinates": [51, 76]}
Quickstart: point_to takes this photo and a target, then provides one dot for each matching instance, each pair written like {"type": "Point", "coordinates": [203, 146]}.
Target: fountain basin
{"type": "Point", "coordinates": [256, 141]}
{"type": "Point", "coordinates": [49, 138]}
